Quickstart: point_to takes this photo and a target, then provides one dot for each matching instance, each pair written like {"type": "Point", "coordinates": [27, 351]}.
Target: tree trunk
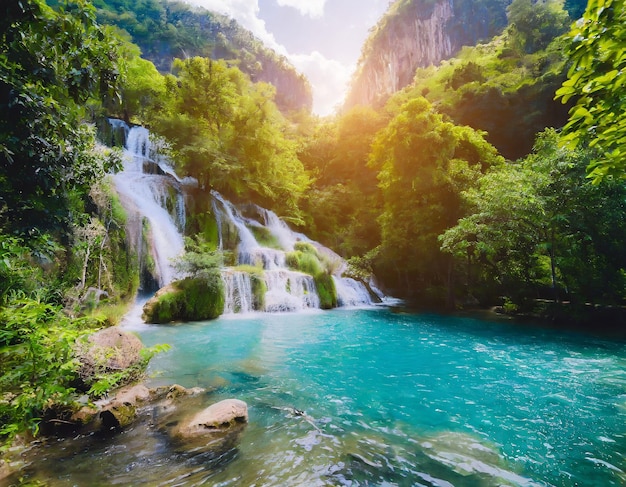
{"type": "Point", "coordinates": [553, 267]}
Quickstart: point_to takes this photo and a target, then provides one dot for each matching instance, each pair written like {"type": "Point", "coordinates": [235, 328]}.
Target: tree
{"type": "Point", "coordinates": [345, 199]}
{"type": "Point", "coordinates": [228, 134]}
{"type": "Point", "coordinates": [52, 65]}
{"type": "Point", "coordinates": [424, 164]}
{"type": "Point", "coordinates": [597, 82]}
{"type": "Point", "coordinates": [538, 228]}
{"type": "Point", "coordinates": [534, 24]}
{"type": "Point", "coordinates": [143, 88]}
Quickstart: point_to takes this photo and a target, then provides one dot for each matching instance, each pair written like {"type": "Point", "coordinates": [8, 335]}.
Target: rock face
{"type": "Point", "coordinates": [215, 36]}
{"type": "Point", "coordinates": [419, 33]}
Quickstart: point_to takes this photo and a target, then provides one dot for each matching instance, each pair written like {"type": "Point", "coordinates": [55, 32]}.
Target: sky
{"type": "Point", "coordinates": [321, 38]}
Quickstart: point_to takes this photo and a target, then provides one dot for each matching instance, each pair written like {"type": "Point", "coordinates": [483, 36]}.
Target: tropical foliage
{"type": "Point", "coordinates": [597, 50]}
{"type": "Point", "coordinates": [413, 191]}
{"type": "Point", "coordinates": [424, 163]}
{"type": "Point", "coordinates": [54, 66]}
{"type": "Point", "coordinates": [58, 69]}
{"type": "Point", "coordinates": [228, 134]}
{"type": "Point", "coordinates": [165, 30]}
{"type": "Point", "coordinates": [537, 228]}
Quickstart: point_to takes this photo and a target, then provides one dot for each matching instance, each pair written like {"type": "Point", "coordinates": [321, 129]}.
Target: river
{"type": "Point", "coordinates": [364, 397]}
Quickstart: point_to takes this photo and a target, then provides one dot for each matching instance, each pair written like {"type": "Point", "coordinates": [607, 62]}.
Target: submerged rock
{"type": "Point", "coordinates": [118, 415]}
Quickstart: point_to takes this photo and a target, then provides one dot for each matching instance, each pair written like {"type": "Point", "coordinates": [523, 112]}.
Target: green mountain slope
{"type": "Point", "coordinates": [165, 30]}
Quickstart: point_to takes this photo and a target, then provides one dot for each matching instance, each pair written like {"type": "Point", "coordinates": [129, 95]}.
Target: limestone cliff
{"type": "Point", "coordinates": [418, 33]}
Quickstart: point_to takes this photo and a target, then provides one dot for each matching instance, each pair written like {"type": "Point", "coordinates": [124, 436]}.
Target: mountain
{"type": "Point", "coordinates": [165, 30]}
{"type": "Point", "coordinates": [418, 33]}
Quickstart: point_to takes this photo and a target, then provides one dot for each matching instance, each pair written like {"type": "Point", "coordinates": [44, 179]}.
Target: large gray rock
{"type": "Point", "coordinates": [218, 417]}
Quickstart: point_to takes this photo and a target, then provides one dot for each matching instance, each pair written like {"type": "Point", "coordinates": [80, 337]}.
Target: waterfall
{"type": "Point", "coordinates": [152, 195]}
{"type": "Point", "coordinates": [351, 292]}
{"type": "Point", "coordinates": [290, 291]}
{"type": "Point", "coordinates": [286, 289]}
{"type": "Point", "coordinates": [248, 245]}
{"type": "Point", "coordinates": [152, 192]}
{"type": "Point", "coordinates": [238, 296]}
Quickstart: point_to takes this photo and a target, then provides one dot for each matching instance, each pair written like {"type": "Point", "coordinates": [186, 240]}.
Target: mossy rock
{"type": "Point", "coordinates": [326, 290]}
{"type": "Point", "coordinates": [192, 299]}
{"type": "Point", "coordinates": [307, 262]}
{"type": "Point", "coordinates": [265, 237]}
{"type": "Point", "coordinates": [107, 351]}
{"type": "Point", "coordinates": [259, 289]}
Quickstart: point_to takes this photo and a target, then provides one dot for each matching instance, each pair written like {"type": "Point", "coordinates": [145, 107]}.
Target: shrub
{"type": "Point", "coordinates": [305, 259]}
{"type": "Point", "coordinates": [37, 363]}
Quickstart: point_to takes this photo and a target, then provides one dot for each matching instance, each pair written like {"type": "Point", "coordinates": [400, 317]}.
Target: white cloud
{"type": "Point", "coordinates": [312, 8]}
{"type": "Point", "coordinates": [246, 12]}
{"type": "Point", "coordinates": [329, 79]}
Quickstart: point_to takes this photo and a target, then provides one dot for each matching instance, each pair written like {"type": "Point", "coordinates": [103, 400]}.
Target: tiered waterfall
{"type": "Point", "coordinates": [261, 280]}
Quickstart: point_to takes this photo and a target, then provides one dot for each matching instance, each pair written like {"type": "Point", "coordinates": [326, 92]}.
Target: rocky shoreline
{"type": "Point", "coordinates": [186, 418]}
{"type": "Point", "coordinates": [177, 413]}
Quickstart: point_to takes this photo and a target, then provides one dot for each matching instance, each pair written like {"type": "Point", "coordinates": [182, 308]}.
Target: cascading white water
{"type": "Point", "coordinates": [287, 290]}
{"type": "Point", "coordinates": [351, 292]}
{"type": "Point", "coordinates": [149, 187]}
{"type": "Point", "coordinates": [290, 291]}
{"type": "Point", "coordinates": [150, 195]}
{"type": "Point", "coordinates": [238, 292]}
{"type": "Point", "coordinates": [248, 245]}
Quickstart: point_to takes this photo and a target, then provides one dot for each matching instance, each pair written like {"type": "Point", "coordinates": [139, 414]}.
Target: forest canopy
{"type": "Point", "coordinates": [596, 79]}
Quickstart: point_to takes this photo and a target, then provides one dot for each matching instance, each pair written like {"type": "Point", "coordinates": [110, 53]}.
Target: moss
{"type": "Point", "coordinates": [204, 298]}
{"type": "Point", "coordinates": [192, 299]}
{"type": "Point", "coordinates": [265, 237]}
{"type": "Point", "coordinates": [306, 261]}
{"type": "Point", "coordinates": [259, 289]}
{"type": "Point", "coordinates": [122, 259]}
{"type": "Point", "coordinates": [147, 267]}
{"type": "Point", "coordinates": [305, 247]}
{"type": "Point", "coordinates": [326, 290]}
{"type": "Point", "coordinates": [200, 217]}
{"type": "Point", "coordinates": [250, 269]}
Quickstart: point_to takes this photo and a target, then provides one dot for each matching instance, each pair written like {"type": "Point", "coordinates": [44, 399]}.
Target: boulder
{"type": "Point", "coordinates": [123, 407]}
{"type": "Point", "coordinates": [135, 394]}
{"type": "Point", "coordinates": [117, 415]}
{"type": "Point", "coordinates": [190, 299]}
{"type": "Point", "coordinates": [107, 350]}
{"type": "Point", "coordinates": [218, 417]}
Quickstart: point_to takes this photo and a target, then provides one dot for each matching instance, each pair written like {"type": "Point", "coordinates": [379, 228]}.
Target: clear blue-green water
{"type": "Point", "coordinates": [391, 399]}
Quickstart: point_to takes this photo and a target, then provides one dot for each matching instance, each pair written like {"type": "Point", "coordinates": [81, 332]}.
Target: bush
{"type": "Point", "coordinates": [305, 259]}
{"type": "Point", "coordinates": [37, 363]}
